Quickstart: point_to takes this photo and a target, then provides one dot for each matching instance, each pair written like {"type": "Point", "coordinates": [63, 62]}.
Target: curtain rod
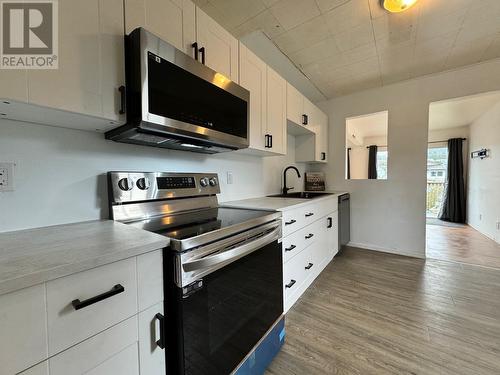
{"type": "Point", "coordinates": [463, 139]}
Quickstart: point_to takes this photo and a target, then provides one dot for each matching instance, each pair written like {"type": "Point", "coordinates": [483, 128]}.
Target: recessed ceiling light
{"type": "Point", "coordinates": [396, 6]}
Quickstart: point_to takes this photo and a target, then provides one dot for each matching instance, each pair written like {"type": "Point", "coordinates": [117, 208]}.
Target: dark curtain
{"type": "Point", "coordinates": [453, 208]}
{"type": "Point", "coordinates": [348, 163]}
{"type": "Point", "coordinates": [372, 162]}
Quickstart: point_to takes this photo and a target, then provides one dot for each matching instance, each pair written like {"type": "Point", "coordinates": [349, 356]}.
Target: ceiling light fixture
{"type": "Point", "coordinates": [396, 6]}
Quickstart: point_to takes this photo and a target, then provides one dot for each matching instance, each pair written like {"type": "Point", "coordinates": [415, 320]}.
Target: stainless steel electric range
{"type": "Point", "coordinates": [223, 269]}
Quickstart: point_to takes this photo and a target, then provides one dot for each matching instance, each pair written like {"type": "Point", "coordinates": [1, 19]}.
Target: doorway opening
{"type": "Point", "coordinates": [437, 166]}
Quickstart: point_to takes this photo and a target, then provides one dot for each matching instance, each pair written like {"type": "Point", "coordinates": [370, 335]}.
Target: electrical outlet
{"type": "Point", "coordinates": [229, 178]}
{"type": "Point", "coordinates": [7, 176]}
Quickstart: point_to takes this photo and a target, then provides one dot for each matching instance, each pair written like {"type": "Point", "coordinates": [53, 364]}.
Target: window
{"type": "Point", "coordinates": [382, 165]}
{"type": "Point", "coordinates": [433, 174]}
{"type": "Point", "coordinates": [440, 173]}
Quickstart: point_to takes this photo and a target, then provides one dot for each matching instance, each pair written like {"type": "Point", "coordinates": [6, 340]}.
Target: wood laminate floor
{"type": "Point", "coordinates": [376, 313]}
{"type": "Point", "coordinates": [462, 244]}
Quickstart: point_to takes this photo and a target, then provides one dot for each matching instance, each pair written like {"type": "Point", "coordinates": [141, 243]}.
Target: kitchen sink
{"type": "Point", "coordinates": [300, 194]}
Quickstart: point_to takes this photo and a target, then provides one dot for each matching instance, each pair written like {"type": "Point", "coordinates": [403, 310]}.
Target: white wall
{"type": "Point", "coordinates": [60, 173]}
{"type": "Point", "coordinates": [484, 175]}
{"type": "Point", "coordinates": [389, 215]}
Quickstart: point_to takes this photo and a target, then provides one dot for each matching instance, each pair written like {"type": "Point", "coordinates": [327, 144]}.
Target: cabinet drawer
{"type": "Point", "coordinates": [293, 220]}
{"type": "Point", "coordinates": [23, 330]}
{"type": "Point", "coordinates": [113, 351]}
{"type": "Point", "coordinates": [151, 355]}
{"type": "Point", "coordinates": [299, 240]}
{"type": "Point", "coordinates": [68, 324]}
{"type": "Point", "coordinates": [293, 275]}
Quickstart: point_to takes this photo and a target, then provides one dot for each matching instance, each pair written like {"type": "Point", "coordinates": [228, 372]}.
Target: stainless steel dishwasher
{"type": "Point", "coordinates": [344, 220]}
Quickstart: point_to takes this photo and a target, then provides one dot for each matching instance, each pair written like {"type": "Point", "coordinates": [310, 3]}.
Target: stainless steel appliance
{"type": "Point", "coordinates": [174, 101]}
{"type": "Point", "coordinates": [223, 269]}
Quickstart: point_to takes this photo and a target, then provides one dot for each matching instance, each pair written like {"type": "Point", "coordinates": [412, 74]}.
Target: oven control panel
{"type": "Point", "coordinates": [126, 187]}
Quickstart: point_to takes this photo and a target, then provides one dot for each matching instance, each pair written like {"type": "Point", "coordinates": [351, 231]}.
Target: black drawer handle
{"type": "Point", "coordinates": [330, 222]}
{"type": "Point", "coordinates": [323, 156]}
{"type": "Point", "coordinates": [195, 46]}
{"type": "Point", "coordinates": [309, 214]}
{"type": "Point", "coordinates": [123, 100]}
{"type": "Point", "coordinates": [117, 289]}
{"type": "Point", "coordinates": [290, 222]}
{"type": "Point", "coordinates": [309, 266]}
{"type": "Point", "coordinates": [161, 341]}
{"type": "Point", "coordinates": [290, 284]}
{"type": "Point", "coordinates": [305, 119]}
{"type": "Point", "coordinates": [310, 235]}
{"type": "Point", "coordinates": [290, 248]}
{"type": "Point", "coordinates": [202, 51]}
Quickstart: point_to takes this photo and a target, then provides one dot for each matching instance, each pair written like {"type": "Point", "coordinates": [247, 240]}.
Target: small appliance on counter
{"type": "Point", "coordinates": [223, 270]}
{"type": "Point", "coordinates": [174, 101]}
{"type": "Point", "coordinates": [314, 181]}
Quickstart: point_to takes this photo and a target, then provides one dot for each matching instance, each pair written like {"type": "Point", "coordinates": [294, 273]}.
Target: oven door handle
{"type": "Point", "coordinates": [223, 257]}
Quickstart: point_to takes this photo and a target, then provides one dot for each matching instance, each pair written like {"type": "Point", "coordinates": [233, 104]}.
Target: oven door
{"type": "Point", "coordinates": [233, 301]}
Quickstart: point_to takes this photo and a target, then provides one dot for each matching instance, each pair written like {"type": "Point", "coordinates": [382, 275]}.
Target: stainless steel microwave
{"type": "Point", "coordinates": [174, 101]}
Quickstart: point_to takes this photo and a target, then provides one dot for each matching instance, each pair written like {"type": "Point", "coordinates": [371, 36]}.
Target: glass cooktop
{"type": "Point", "coordinates": [195, 223]}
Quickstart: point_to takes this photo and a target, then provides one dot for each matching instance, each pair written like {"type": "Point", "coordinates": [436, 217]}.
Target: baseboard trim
{"type": "Point", "coordinates": [484, 234]}
{"type": "Point", "coordinates": [386, 250]}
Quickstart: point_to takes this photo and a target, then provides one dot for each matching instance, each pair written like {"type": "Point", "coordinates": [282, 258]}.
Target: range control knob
{"type": "Point", "coordinates": [126, 184]}
{"type": "Point", "coordinates": [204, 182]}
{"type": "Point", "coordinates": [143, 183]}
{"type": "Point", "coordinates": [213, 181]}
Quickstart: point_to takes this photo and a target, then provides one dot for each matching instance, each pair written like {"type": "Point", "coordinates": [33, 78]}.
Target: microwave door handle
{"type": "Point", "coordinates": [231, 254]}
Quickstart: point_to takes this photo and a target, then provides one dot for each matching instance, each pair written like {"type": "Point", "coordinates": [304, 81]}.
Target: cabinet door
{"type": "Point", "coordinates": [253, 77]}
{"type": "Point", "coordinates": [221, 48]}
{"type": "Point", "coordinates": [151, 355]}
{"type": "Point", "coordinates": [276, 110]}
{"type": "Point", "coordinates": [75, 85]}
{"type": "Point", "coordinates": [333, 233]}
{"type": "Point", "coordinates": [112, 57]}
{"type": "Point", "coordinates": [310, 110]}
{"type": "Point", "coordinates": [321, 141]}
{"type": "Point", "coordinates": [294, 104]}
{"type": "Point", "coordinates": [171, 20]}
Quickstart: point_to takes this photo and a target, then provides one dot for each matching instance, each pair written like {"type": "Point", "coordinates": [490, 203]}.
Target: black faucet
{"type": "Point", "coordinates": [285, 189]}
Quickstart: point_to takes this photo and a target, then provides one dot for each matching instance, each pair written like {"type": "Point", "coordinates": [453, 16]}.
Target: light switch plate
{"type": "Point", "coordinates": [7, 176]}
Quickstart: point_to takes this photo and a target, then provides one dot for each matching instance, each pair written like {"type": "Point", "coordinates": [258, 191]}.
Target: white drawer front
{"type": "Point", "coordinates": [67, 326]}
{"type": "Point", "coordinates": [90, 356]}
{"type": "Point", "coordinates": [150, 279]}
{"type": "Point", "coordinates": [293, 220]}
{"type": "Point", "coordinates": [299, 240]}
{"type": "Point", "coordinates": [297, 218]}
{"type": "Point", "coordinates": [23, 330]}
{"type": "Point", "coordinates": [293, 275]}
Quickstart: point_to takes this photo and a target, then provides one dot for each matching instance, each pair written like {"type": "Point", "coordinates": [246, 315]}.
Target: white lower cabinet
{"type": "Point", "coordinates": [110, 352]}
{"type": "Point", "coordinates": [23, 330]}
{"type": "Point", "coordinates": [309, 244]}
{"type": "Point", "coordinates": [151, 354]}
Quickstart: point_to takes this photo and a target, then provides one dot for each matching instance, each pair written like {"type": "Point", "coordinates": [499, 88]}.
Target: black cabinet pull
{"type": "Point", "coordinates": [309, 214]}
{"type": "Point", "coordinates": [196, 51]}
{"type": "Point", "coordinates": [323, 156]}
{"type": "Point", "coordinates": [290, 248]}
{"type": "Point", "coordinates": [330, 222]}
{"type": "Point", "coordinates": [310, 235]}
{"type": "Point", "coordinates": [161, 341]}
{"type": "Point", "coordinates": [123, 100]}
{"type": "Point", "coordinates": [117, 289]}
{"type": "Point", "coordinates": [305, 119]}
{"type": "Point", "coordinates": [271, 141]}
{"type": "Point", "coordinates": [290, 284]}
{"type": "Point", "coordinates": [309, 266]}
{"type": "Point", "coordinates": [268, 141]}
{"type": "Point", "coordinates": [290, 222]}
{"type": "Point", "coordinates": [202, 51]}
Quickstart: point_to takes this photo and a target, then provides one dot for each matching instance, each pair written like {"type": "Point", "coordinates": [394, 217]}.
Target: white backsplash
{"type": "Point", "coordinates": [60, 173]}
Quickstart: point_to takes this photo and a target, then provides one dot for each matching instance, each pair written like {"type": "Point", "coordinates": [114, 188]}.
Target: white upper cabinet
{"type": "Point", "coordinates": [219, 47]}
{"type": "Point", "coordinates": [313, 147]}
{"type": "Point", "coordinates": [295, 104]}
{"type": "Point", "coordinates": [276, 111]}
{"type": "Point", "coordinates": [253, 77]}
{"type": "Point", "coordinates": [172, 20]}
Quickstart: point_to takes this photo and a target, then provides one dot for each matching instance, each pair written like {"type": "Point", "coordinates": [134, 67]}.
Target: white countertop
{"type": "Point", "coordinates": [277, 203]}
{"type": "Point", "coordinates": [33, 256]}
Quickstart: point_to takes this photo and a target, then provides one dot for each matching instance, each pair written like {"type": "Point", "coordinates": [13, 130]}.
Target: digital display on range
{"type": "Point", "coordinates": [175, 183]}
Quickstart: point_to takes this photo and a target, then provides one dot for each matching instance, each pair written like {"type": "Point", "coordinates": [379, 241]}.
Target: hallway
{"type": "Point", "coordinates": [461, 243]}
